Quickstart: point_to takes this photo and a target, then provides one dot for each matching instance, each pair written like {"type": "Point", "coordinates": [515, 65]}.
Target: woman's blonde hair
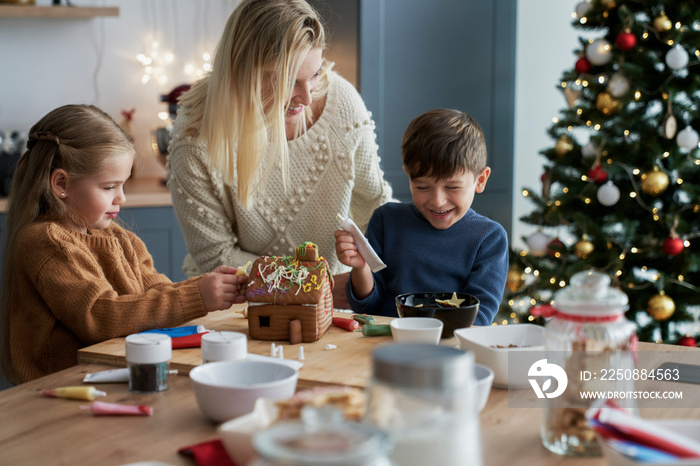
{"type": "Point", "coordinates": [80, 139]}
{"type": "Point", "coordinates": [262, 48]}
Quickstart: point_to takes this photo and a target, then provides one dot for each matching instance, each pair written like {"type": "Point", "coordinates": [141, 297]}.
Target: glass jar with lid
{"type": "Point", "coordinates": [424, 397]}
{"type": "Point", "coordinates": [322, 438]}
{"type": "Point", "coordinates": [590, 338]}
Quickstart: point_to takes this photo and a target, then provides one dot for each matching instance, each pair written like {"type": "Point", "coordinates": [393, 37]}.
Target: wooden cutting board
{"type": "Point", "coordinates": [348, 364]}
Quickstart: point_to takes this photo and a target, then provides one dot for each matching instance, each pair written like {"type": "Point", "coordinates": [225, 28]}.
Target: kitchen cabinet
{"type": "Point", "coordinates": [410, 56]}
{"type": "Point", "coordinates": [159, 229]}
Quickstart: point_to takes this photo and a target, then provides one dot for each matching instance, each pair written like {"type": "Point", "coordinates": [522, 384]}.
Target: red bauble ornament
{"type": "Point", "coordinates": [598, 175]}
{"type": "Point", "coordinates": [625, 41]}
{"type": "Point", "coordinates": [556, 246]}
{"type": "Point", "coordinates": [673, 246]}
{"type": "Point", "coordinates": [687, 341]}
{"type": "Point", "coordinates": [582, 65]}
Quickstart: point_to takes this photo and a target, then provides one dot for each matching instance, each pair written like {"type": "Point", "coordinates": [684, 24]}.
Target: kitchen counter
{"type": "Point", "coordinates": [140, 192]}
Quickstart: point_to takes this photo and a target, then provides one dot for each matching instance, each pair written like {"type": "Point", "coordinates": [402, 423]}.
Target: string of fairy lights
{"type": "Point", "coordinates": [163, 58]}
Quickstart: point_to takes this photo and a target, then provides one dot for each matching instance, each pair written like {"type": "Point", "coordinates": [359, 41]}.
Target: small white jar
{"type": "Point", "coordinates": [224, 346]}
{"type": "Point", "coordinates": [148, 359]}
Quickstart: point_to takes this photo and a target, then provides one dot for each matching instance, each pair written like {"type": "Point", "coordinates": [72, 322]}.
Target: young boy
{"type": "Point", "coordinates": [437, 242]}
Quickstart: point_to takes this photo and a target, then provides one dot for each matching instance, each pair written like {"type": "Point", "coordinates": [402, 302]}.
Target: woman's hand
{"type": "Point", "coordinates": [222, 288]}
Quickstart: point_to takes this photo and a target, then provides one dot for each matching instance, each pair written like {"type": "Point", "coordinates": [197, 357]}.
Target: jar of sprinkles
{"type": "Point", "coordinates": [148, 359]}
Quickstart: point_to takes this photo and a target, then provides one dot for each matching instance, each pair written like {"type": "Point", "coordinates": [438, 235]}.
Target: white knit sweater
{"type": "Point", "coordinates": [334, 169]}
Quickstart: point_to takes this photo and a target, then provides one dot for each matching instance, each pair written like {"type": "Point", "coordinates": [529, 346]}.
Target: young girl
{"type": "Point", "coordinates": [71, 276]}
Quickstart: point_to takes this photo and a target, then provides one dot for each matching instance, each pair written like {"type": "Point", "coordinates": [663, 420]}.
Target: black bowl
{"type": "Point", "coordinates": [424, 305]}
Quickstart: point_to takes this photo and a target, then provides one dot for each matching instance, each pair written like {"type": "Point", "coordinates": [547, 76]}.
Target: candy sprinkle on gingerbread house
{"type": "Point", "coordinates": [289, 297]}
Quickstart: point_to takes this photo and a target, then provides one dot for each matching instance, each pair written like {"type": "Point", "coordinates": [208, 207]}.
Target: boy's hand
{"type": "Point", "coordinates": [346, 250]}
{"type": "Point", "coordinates": [222, 288]}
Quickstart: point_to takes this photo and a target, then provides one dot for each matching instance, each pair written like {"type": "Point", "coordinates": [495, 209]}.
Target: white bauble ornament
{"type": "Point", "coordinates": [618, 85]}
{"type": "Point", "coordinates": [582, 9]}
{"type": "Point", "coordinates": [589, 150]}
{"type": "Point", "coordinates": [538, 242]}
{"type": "Point", "coordinates": [688, 138]}
{"type": "Point", "coordinates": [608, 194]}
{"type": "Point", "coordinates": [676, 58]}
{"type": "Point", "coordinates": [599, 52]}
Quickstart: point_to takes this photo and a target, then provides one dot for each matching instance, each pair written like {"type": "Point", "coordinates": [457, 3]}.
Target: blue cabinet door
{"type": "Point", "coordinates": [159, 230]}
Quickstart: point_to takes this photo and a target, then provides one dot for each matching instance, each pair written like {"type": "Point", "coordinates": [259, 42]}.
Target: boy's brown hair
{"type": "Point", "coordinates": [441, 143]}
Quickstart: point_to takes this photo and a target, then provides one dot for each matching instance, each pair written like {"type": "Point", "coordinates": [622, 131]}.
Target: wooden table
{"type": "Point", "coordinates": [39, 430]}
{"type": "Point", "coordinates": [348, 364]}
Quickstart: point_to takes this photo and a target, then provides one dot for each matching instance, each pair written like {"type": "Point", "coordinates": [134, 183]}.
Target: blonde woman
{"type": "Point", "coordinates": [272, 145]}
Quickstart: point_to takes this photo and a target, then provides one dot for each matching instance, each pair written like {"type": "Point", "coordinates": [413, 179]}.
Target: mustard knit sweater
{"type": "Point", "coordinates": [74, 290]}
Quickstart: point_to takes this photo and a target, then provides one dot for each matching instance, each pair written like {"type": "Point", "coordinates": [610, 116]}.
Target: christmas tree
{"type": "Point", "coordinates": [620, 191]}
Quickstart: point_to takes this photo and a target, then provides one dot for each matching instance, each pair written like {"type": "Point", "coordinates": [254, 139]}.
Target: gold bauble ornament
{"type": "Point", "coordinates": [662, 23]}
{"type": "Point", "coordinates": [583, 248]}
{"type": "Point", "coordinates": [607, 104]}
{"type": "Point", "coordinates": [563, 146]}
{"type": "Point", "coordinates": [655, 182]}
{"type": "Point", "coordinates": [608, 3]}
{"type": "Point", "coordinates": [660, 307]}
{"type": "Point", "coordinates": [514, 279]}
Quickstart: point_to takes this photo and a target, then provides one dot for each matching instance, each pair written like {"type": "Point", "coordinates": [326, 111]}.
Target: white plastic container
{"type": "Point", "coordinates": [148, 359]}
{"type": "Point", "coordinates": [224, 346]}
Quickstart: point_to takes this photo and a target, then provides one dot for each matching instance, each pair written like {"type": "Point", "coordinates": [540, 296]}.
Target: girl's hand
{"type": "Point", "coordinates": [346, 250]}
{"type": "Point", "coordinates": [222, 288]}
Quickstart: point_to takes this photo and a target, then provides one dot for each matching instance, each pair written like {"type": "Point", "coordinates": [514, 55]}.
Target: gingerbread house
{"type": "Point", "coordinates": [289, 297]}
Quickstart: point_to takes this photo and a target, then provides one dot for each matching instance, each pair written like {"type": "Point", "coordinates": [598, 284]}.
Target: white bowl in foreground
{"type": "Point", "coordinates": [227, 389]}
{"type": "Point", "coordinates": [416, 330]}
{"type": "Point", "coordinates": [492, 345]}
{"type": "Point", "coordinates": [484, 381]}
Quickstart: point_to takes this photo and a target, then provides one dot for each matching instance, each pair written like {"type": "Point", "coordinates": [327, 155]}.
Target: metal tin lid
{"type": "Point", "coordinates": [224, 346]}
{"type": "Point", "coordinates": [415, 365]}
{"type": "Point", "coordinates": [589, 294]}
{"type": "Point", "coordinates": [322, 437]}
{"type": "Point", "coordinates": [148, 348]}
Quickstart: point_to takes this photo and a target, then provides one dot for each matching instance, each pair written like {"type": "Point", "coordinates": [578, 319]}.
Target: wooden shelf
{"type": "Point", "coordinates": [22, 11]}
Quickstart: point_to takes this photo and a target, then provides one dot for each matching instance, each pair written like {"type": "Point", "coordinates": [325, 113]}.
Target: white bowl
{"type": "Point", "coordinates": [484, 380]}
{"type": "Point", "coordinates": [492, 345]}
{"type": "Point", "coordinates": [416, 330]}
{"type": "Point", "coordinates": [228, 389]}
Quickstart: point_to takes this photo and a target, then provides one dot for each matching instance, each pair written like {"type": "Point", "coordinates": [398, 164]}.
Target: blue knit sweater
{"type": "Point", "coordinates": [470, 257]}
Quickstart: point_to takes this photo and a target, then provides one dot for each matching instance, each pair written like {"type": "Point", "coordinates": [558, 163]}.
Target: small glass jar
{"type": "Point", "coordinates": [424, 397]}
{"type": "Point", "coordinates": [224, 346]}
{"type": "Point", "coordinates": [322, 438]}
{"type": "Point", "coordinates": [148, 359]}
{"type": "Point", "coordinates": [590, 338]}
